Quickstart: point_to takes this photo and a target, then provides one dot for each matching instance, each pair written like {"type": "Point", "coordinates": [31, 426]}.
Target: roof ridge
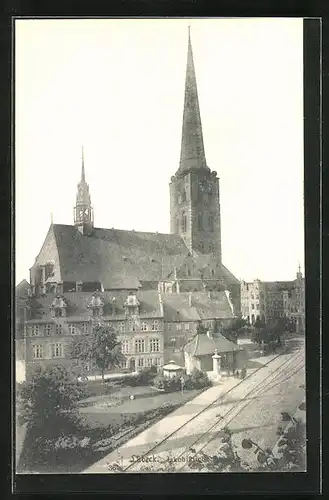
{"type": "Point", "coordinates": [123, 230]}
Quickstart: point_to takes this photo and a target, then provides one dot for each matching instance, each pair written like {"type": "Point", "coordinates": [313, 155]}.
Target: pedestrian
{"type": "Point", "coordinates": [243, 372]}
{"type": "Point", "coordinates": [237, 374]}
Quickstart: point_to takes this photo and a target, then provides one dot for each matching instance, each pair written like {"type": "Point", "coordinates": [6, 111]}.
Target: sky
{"type": "Point", "coordinates": [116, 87]}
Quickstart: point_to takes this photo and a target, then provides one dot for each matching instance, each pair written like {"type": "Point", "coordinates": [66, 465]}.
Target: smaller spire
{"type": "Point", "coordinates": [83, 179]}
{"type": "Point", "coordinates": [51, 218]}
{"type": "Point", "coordinates": [299, 267]}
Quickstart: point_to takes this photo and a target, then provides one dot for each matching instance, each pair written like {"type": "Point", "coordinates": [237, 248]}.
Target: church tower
{"type": "Point", "coordinates": [194, 189]}
{"type": "Point", "coordinates": [83, 211]}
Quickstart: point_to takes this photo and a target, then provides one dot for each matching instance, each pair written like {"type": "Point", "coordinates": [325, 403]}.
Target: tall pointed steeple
{"type": "Point", "coordinates": [194, 189]}
{"type": "Point", "coordinates": [192, 148]}
{"type": "Point", "coordinates": [83, 179]}
{"type": "Point", "coordinates": [83, 210]}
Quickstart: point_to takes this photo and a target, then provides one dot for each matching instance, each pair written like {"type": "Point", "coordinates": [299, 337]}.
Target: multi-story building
{"type": "Point", "coordinates": [294, 304]}
{"type": "Point", "coordinates": [184, 312]}
{"type": "Point", "coordinates": [55, 321]}
{"type": "Point", "coordinates": [267, 300]}
{"type": "Point", "coordinates": [80, 263]}
{"type": "Point", "coordinates": [253, 300]}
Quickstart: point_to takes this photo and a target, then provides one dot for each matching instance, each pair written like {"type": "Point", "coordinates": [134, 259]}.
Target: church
{"type": "Point", "coordinates": [153, 288]}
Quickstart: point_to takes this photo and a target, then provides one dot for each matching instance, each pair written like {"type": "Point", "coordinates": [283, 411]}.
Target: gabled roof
{"type": "Point", "coordinates": [121, 259]}
{"type": "Point", "coordinates": [202, 345]}
{"type": "Point", "coordinates": [177, 306]}
{"type": "Point", "coordinates": [118, 259]}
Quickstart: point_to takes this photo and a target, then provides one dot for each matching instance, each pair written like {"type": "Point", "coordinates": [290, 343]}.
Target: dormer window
{"type": "Point", "coordinates": [132, 305]}
{"type": "Point", "coordinates": [58, 307]}
{"type": "Point", "coordinates": [96, 305]}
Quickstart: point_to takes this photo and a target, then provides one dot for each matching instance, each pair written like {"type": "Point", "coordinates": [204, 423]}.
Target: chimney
{"type": "Point", "coordinates": [190, 299]}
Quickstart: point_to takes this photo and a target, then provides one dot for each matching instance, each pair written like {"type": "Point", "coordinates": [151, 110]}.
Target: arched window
{"type": "Point", "coordinates": [184, 222]}
{"type": "Point", "coordinates": [200, 222]}
{"type": "Point", "coordinates": [211, 222]}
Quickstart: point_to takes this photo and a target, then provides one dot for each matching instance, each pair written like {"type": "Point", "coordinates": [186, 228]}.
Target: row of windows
{"type": "Point", "coordinates": [134, 326]}
{"type": "Point", "coordinates": [141, 345]}
{"type": "Point", "coordinates": [55, 351]}
{"type": "Point", "coordinates": [186, 326]}
{"type": "Point", "coordinates": [178, 326]}
{"type": "Point", "coordinates": [82, 328]}
{"type": "Point", "coordinates": [50, 329]}
{"type": "Point", "coordinates": [141, 362]}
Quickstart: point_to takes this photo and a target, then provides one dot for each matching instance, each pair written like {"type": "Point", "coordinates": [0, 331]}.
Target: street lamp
{"type": "Point", "coordinates": [182, 381]}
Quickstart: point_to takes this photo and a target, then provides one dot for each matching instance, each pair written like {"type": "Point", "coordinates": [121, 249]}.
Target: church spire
{"type": "Point", "coordinates": [83, 210]}
{"type": "Point", "coordinates": [83, 179]}
{"type": "Point", "coordinates": [192, 147]}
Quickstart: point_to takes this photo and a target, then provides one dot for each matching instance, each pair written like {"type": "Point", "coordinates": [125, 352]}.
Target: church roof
{"type": "Point", "coordinates": [114, 257]}
{"type": "Point", "coordinates": [122, 259]}
{"type": "Point", "coordinates": [202, 345]}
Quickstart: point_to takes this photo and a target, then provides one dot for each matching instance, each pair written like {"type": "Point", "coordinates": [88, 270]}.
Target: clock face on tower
{"type": "Point", "coordinates": [205, 186]}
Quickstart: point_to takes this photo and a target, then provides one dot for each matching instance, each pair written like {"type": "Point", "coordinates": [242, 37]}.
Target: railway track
{"type": "Point", "coordinates": [200, 445]}
{"type": "Point", "coordinates": [184, 432]}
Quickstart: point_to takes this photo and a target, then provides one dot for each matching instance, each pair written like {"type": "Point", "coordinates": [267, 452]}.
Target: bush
{"type": "Point", "coordinates": [167, 384]}
{"type": "Point", "coordinates": [50, 398]}
{"type": "Point", "coordinates": [143, 377]}
{"type": "Point", "coordinates": [197, 380]}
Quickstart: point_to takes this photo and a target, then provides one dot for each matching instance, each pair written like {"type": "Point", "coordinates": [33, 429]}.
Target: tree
{"type": "Point", "coordinates": [48, 400]}
{"type": "Point", "coordinates": [101, 346]}
{"type": "Point", "coordinates": [234, 329]}
{"type": "Point", "coordinates": [269, 334]}
{"type": "Point", "coordinates": [48, 406]}
{"type": "Point", "coordinates": [200, 329]}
